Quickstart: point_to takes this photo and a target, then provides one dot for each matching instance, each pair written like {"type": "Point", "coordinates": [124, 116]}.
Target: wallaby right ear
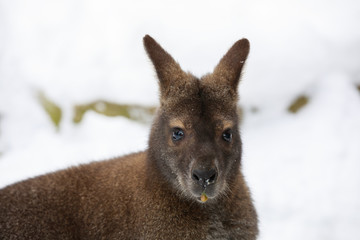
{"type": "Point", "coordinates": [167, 69]}
{"type": "Point", "coordinates": [229, 68]}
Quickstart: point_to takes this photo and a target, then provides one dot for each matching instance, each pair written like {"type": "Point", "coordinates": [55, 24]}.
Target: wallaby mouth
{"type": "Point", "coordinates": [204, 193]}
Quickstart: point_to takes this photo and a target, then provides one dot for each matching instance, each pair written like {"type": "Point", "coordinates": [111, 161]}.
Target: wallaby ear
{"type": "Point", "coordinates": [167, 69]}
{"type": "Point", "coordinates": [229, 68]}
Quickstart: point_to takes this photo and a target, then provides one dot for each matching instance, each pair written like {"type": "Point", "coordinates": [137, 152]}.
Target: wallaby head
{"type": "Point", "coordinates": [195, 142]}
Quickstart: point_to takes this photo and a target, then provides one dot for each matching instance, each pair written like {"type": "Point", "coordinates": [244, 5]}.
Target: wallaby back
{"type": "Point", "coordinates": [187, 185]}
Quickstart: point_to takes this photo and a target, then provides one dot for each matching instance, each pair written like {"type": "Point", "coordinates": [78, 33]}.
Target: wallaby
{"type": "Point", "coordinates": [188, 184]}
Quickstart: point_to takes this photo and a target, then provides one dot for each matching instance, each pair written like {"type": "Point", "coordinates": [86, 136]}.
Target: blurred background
{"type": "Point", "coordinates": [76, 86]}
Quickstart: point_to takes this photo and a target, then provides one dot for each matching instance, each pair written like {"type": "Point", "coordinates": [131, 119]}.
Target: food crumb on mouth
{"type": "Point", "coordinates": [203, 197]}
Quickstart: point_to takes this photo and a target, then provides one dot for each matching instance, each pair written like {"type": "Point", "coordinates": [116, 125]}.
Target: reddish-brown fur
{"type": "Point", "coordinates": [153, 194]}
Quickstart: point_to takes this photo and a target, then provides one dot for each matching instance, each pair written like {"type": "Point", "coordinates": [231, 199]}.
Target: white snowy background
{"type": "Point", "coordinates": [303, 168]}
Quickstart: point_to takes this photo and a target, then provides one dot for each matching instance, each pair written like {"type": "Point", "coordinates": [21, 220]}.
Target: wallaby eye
{"type": "Point", "coordinates": [177, 134]}
{"type": "Point", "coordinates": [227, 135]}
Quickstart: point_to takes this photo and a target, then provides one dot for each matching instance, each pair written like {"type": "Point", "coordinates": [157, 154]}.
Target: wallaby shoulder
{"type": "Point", "coordinates": [73, 202]}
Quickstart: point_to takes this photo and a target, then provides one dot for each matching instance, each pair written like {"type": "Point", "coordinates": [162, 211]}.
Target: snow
{"type": "Point", "coordinates": [303, 169]}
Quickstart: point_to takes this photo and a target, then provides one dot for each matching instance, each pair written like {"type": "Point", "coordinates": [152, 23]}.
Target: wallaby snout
{"type": "Point", "coordinates": [204, 177]}
{"type": "Point", "coordinates": [205, 167]}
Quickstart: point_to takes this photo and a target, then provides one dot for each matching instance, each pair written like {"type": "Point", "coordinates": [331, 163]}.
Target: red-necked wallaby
{"type": "Point", "coordinates": [188, 184]}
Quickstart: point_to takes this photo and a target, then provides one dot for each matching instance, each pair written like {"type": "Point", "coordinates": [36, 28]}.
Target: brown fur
{"type": "Point", "coordinates": [151, 194]}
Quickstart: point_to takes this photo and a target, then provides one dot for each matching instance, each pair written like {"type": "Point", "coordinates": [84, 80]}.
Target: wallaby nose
{"type": "Point", "coordinates": [204, 177]}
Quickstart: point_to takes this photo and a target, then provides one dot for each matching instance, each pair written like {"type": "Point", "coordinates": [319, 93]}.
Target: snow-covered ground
{"type": "Point", "coordinates": [303, 169]}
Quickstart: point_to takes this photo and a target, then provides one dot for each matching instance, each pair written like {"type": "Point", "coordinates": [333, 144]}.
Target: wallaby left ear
{"type": "Point", "coordinates": [229, 68]}
{"type": "Point", "coordinates": [167, 69]}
